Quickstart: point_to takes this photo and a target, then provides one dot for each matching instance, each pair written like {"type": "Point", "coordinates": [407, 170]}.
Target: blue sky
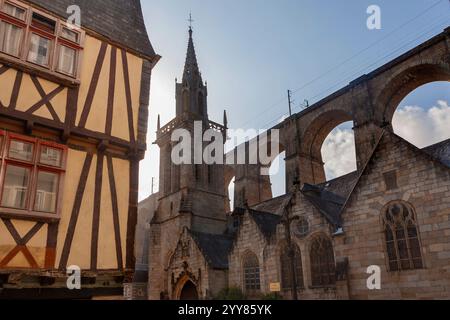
{"type": "Point", "coordinates": [250, 52]}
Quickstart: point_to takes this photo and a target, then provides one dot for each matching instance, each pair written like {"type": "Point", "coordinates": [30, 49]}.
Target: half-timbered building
{"type": "Point", "coordinates": [73, 119]}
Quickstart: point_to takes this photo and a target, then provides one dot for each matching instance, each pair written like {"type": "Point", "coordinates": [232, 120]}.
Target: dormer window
{"type": "Point", "coordinates": [39, 40]}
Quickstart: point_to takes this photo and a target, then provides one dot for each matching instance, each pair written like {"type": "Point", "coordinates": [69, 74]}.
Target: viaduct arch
{"type": "Point", "coordinates": [369, 101]}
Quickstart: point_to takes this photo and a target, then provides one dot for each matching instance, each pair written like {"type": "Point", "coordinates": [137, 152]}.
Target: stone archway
{"type": "Point", "coordinates": [403, 84]}
{"type": "Point", "coordinates": [311, 164]}
{"type": "Point", "coordinates": [189, 291]}
{"type": "Point", "coordinates": [186, 288]}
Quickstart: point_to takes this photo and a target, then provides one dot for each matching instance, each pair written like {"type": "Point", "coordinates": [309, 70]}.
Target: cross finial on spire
{"type": "Point", "coordinates": [190, 21]}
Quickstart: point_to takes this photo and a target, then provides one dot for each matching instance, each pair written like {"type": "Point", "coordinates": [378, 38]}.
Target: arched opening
{"type": "Point", "coordinates": [423, 116]}
{"type": "Point", "coordinates": [402, 237]}
{"type": "Point", "coordinates": [404, 84]}
{"type": "Point", "coordinates": [230, 190]}
{"type": "Point", "coordinates": [327, 141]}
{"type": "Point", "coordinates": [277, 173]}
{"type": "Point", "coordinates": [339, 152]}
{"type": "Point", "coordinates": [273, 178]}
{"type": "Point", "coordinates": [189, 291]}
{"type": "Point", "coordinates": [229, 179]}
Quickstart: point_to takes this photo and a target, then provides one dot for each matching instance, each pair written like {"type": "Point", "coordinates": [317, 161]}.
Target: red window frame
{"type": "Point", "coordinates": [35, 166]}
{"type": "Point", "coordinates": [56, 38]}
{"type": "Point", "coordinates": [21, 23]}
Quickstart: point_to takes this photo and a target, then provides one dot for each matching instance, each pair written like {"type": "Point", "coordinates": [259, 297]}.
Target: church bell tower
{"type": "Point", "coordinates": [191, 195]}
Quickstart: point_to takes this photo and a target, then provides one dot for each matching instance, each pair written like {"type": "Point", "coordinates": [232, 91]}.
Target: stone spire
{"type": "Point", "coordinates": [191, 74]}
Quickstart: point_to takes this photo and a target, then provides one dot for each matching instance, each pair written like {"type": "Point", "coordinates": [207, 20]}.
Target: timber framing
{"type": "Point", "coordinates": [68, 127]}
{"type": "Point", "coordinates": [99, 115]}
{"type": "Point", "coordinates": [21, 244]}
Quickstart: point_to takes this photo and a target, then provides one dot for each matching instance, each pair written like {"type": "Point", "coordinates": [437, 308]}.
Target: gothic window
{"type": "Point", "coordinates": [251, 273]}
{"type": "Point", "coordinates": [402, 237]}
{"type": "Point", "coordinates": [286, 274]}
{"type": "Point", "coordinates": [322, 262]}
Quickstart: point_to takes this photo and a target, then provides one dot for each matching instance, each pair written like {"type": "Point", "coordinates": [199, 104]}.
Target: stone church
{"type": "Point", "coordinates": [322, 239]}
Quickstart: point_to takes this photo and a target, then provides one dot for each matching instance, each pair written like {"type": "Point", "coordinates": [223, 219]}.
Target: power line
{"type": "Point", "coordinates": [353, 75]}
{"type": "Point", "coordinates": [263, 112]}
{"type": "Point", "coordinates": [370, 46]}
{"type": "Point", "coordinates": [366, 67]}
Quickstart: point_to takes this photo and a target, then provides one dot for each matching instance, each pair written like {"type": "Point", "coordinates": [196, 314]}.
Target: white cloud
{"type": "Point", "coordinates": [338, 153]}
{"type": "Point", "coordinates": [423, 127]}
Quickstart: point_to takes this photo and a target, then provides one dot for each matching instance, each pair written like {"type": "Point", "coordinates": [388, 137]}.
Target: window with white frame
{"type": "Point", "coordinates": [39, 39]}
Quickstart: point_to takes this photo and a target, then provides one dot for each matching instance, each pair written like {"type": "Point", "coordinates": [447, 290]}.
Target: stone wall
{"type": "Point", "coordinates": [425, 185]}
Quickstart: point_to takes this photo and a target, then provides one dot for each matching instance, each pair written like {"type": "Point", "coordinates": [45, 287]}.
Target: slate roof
{"type": "Point", "coordinates": [328, 203]}
{"type": "Point", "coordinates": [440, 151]}
{"type": "Point", "coordinates": [215, 248]}
{"type": "Point", "coordinates": [118, 20]}
{"type": "Point", "coordinates": [275, 205]}
{"type": "Point", "coordinates": [341, 186]}
{"type": "Point", "coordinates": [266, 222]}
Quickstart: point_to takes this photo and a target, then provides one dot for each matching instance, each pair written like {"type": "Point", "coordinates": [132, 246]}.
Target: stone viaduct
{"type": "Point", "coordinates": [369, 101]}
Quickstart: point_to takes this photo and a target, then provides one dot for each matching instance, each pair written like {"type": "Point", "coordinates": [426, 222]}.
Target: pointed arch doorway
{"type": "Point", "coordinates": [186, 289]}
{"type": "Point", "coordinates": [189, 291]}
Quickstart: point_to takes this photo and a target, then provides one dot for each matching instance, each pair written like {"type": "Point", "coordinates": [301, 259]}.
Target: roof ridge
{"type": "Point", "coordinates": [252, 211]}
{"type": "Point", "coordinates": [436, 144]}
{"type": "Point", "coordinates": [282, 196]}
{"type": "Point", "coordinates": [338, 178]}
